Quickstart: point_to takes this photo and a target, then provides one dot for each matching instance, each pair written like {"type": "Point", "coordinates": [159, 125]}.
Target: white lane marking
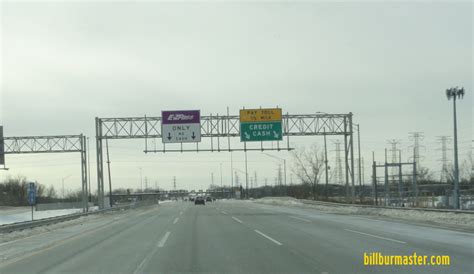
{"type": "Point", "coordinates": [237, 220]}
{"type": "Point", "coordinates": [175, 220]}
{"type": "Point", "coordinates": [140, 266]}
{"type": "Point", "coordinates": [375, 236]}
{"type": "Point", "coordinates": [268, 237]}
{"type": "Point", "coordinates": [223, 212]}
{"type": "Point", "coordinates": [162, 242]}
{"type": "Point", "coordinates": [301, 219]}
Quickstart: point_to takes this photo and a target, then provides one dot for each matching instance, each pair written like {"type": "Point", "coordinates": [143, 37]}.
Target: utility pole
{"type": "Point", "coordinates": [386, 186]}
{"type": "Point", "coordinates": [359, 165]}
{"type": "Point", "coordinates": [89, 169]}
{"type": "Point", "coordinates": [246, 176]}
{"type": "Point", "coordinates": [326, 167]}
{"type": "Point", "coordinates": [141, 180]}
{"type": "Point", "coordinates": [231, 170]}
{"type": "Point", "coordinates": [222, 187]}
{"type": "Point", "coordinates": [400, 180]}
{"type": "Point", "coordinates": [374, 178]}
{"type": "Point", "coordinates": [108, 169]}
{"type": "Point", "coordinates": [174, 183]}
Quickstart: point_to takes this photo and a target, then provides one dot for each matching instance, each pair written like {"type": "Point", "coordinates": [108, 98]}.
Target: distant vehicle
{"type": "Point", "coordinates": [208, 199]}
{"type": "Point", "coordinates": [192, 199]}
{"type": "Point", "coordinates": [199, 201]}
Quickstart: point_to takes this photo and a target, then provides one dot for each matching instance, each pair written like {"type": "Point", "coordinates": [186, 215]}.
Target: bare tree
{"type": "Point", "coordinates": [309, 166]}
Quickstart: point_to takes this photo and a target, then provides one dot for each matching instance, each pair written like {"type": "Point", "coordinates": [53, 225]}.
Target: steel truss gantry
{"type": "Point", "coordinates": [50, 144]}
{"type": "Point", "coordinates": [221, 127]}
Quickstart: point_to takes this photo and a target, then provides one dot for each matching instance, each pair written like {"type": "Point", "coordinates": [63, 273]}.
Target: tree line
{"type": "Point", "coordinates": [13, 192]}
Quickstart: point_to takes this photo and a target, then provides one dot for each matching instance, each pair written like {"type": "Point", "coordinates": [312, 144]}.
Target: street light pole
{"type": "Point", "coordinates": [455, 93]}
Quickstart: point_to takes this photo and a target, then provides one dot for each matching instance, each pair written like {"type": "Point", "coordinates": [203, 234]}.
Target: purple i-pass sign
{"type": "Point", "coordinates": [181, 126]}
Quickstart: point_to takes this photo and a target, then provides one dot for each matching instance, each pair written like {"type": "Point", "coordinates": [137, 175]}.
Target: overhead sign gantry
{"type": "Point", "coordinates": [219, 129]}
{"type": "Point", "coordinates": [49, 144]}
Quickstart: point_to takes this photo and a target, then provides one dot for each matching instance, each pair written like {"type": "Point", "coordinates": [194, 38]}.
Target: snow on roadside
{"type": "Point", "coordinates": [8, 218]}
{"type": "Point", "coordinates": [449, 218]}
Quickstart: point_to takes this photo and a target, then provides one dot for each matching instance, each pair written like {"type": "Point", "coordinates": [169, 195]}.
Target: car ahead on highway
{"type": "Point", "coordinates": [199, 201]}
{"type": "Point", "coordinates": [208, 199]}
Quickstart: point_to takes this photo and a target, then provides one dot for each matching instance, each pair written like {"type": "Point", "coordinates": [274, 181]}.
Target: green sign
{"type": "Point", "coordinates": [260, 131]}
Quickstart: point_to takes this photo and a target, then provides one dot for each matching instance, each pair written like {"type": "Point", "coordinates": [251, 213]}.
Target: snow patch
{"type": "Point", "coordinates": [448, 218]}
{"type": "Point", "coordinates": [23, 215]}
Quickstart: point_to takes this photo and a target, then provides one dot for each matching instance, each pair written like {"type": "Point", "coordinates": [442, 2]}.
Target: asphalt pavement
{"type": "Point", "coordinates": [238, 237]}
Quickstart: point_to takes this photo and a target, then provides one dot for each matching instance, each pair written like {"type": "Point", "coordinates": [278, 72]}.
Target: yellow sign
{"type": "Point", "coordinates": [260, 115]}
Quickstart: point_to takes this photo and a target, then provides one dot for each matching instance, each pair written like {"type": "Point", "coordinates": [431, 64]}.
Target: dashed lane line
{"type": "Point", "coordinates": [236, 219]}
{"type": "Point", "coordinates": [375, 236]}
{"type": "Point", "coordinates": [268, 237]}
{"type": "Point", "coordinates": [301, 219]}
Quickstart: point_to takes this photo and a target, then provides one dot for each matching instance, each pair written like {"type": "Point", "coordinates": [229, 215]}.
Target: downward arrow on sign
{"type": "Point", "coordinates": [194, 136]}
{"type": "Point", "coordinates": [169, 135]}
{"type": "Point", "coordinates": [275, 134]}
{"type": "Point", "coordinates": [247, 136]}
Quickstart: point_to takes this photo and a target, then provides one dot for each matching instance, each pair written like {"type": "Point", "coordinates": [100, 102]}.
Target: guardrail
{"type": "Point", "coordinates": [6, 228]}
{"type": "Point", "coordinates": [458, 211]}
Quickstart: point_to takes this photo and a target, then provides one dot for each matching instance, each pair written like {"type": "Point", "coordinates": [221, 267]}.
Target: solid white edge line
{"type": "Point", "coordinates": [268, 237]}
{"type": "Point", "coordinates": [175, 220]}
{"type": "Point", "coordinates": [301, 219]}
{"type": "Point", "coordinates": [223, 212]}
{"type": "Point", "coordinates": [237, 220]}
{"type": "Point", "coordinates": [163, 240]}
{"type": "Point", "coordinates": [375, 236]}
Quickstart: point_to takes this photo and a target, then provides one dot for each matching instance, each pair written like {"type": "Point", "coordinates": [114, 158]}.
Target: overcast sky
{"type": "Point", "coordinates": [388, 63]}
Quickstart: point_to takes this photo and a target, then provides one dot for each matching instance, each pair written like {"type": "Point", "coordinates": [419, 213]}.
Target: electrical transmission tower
{"type": "Point", "coordinates": [338, 170]}
{"type": "Point", "coordinates": [416, 137]}
{"type": "Point", "coordinates": [444, 140]}
{"type": "Point", "coordinates": [280, 175]}
{"type": "Point", "coordinates": [237, 183]}
{"type": "Point", "coordinates": [394, 150]}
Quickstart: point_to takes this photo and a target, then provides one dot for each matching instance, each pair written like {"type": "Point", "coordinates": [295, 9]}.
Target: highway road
{"type": "Point", "coordinates": [234, 237]}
